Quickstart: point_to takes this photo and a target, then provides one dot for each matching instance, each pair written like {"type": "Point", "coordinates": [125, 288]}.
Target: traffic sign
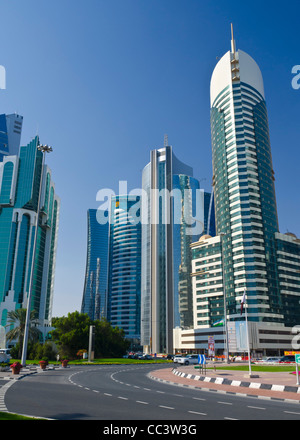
{"type": "Point", "coordinates": [201, 359]}
{"type": "Point", "coordinates": [297, 358]}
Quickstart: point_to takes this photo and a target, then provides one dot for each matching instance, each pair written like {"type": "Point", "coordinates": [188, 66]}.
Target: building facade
{"type": "Point", "coordinates": [24, 180]}
{"type": "Point", "coordinates": [172, 218]}
{"type": "Point", "coordinates": [94, 300]}
{"type": "Point", "coordinates": [248, 254]}
{"type": "Point", "coordinates": [10, 134]}
{"type": "Point", "coordinates": [124, 273]}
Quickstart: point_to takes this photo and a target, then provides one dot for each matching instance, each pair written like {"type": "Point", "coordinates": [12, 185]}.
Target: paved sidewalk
{"type": "Point", "coordinates": [25, 371]}
{"type": "Point", "coordinates": [278, 386]}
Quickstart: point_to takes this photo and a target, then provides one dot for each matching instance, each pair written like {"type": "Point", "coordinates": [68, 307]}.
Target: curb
{"type": "Point", "coordinates": [238, 383]}
{"type": "Point", "coordinates": [214, 380]}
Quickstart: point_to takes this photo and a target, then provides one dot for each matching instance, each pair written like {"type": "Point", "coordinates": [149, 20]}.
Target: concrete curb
{"type": "Point", "coordinates": [238, 383]}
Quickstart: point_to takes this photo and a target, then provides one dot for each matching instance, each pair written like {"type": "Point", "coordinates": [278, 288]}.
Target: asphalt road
{"type": "Point", "coordinates": [126, 393]}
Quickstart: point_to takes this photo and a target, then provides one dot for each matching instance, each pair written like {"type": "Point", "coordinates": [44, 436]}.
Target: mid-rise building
{"type": "Point", "coordinates": [24, 182]}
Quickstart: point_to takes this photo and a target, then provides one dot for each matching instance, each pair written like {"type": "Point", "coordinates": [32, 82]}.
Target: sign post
{"type": "Point", "coordinates": [297, 359]}
{"type": "Point", "coordinates": [202, 362]}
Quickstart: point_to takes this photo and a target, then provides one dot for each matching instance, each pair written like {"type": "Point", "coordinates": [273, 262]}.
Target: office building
{"type": "Point", "coordinates": [248, 253]}
{"type": "Point", "coordinates": [24, 180]}
{"type": "Point", "coordinates": [124, 274]}
{"type": "Point", "coordinates": [172, 218]}
{"type": "Point", "coordinates": [10, 134]}
{"type": "Point", "coordinates": [94, 300]}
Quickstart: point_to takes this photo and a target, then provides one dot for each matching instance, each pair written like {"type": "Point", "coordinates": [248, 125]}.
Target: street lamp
{"type": "Point", "coordinates": [44, 149]}
{"type": "Point", "coordinates": [226, 344]}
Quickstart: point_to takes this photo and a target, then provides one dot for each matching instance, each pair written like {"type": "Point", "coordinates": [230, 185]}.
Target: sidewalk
{"type": "Point", "coordinates": [278, 386]}
{"type": "Point", "coordinates": [25, 371]}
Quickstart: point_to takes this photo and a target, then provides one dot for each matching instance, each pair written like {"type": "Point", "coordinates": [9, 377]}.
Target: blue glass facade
{"type": "Point", "coordinates": [10, 134]}
{"type": "Point", "coordinates": [21, 179]}
{"type": "Point", "coordinates": [94, 301]}
{"type": "Point", "coordinates": [124, 278]}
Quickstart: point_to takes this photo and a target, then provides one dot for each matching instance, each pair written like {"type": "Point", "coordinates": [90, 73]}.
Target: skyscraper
{"type": "Point", "coordinates": [94, 300]}
{"type": "Point", "coordinates": [244, 188]}
{"type": "Point", "coordinates": [124, 278]}
{"type": "Point", "coordinates": [10, 134]}
{"type": "Point", "coordinates": [172, 218]}
{"type": "Point", "coordinates": [23, 182]}
{"type": "Point", "coordinates": [249, 253]}
{"type": "Point", "coordinates": [244, 185]}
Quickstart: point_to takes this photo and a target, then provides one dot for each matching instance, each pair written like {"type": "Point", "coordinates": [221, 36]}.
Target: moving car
{"type": "Point", "coordinates": [178, 356]}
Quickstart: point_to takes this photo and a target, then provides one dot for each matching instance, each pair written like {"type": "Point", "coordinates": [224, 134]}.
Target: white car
{"type": "Point", "coordinates": [190, 359]}
{"type": "Point", "coordinates": [5, 354]}
{"type": "Point", "coordinates": [178, 356]}
{"type": "Point", "coordinates": [273, 360]}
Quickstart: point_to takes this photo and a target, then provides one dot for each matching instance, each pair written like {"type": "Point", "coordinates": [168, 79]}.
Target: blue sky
{"type": "Point", "coordinates": [102, 81]}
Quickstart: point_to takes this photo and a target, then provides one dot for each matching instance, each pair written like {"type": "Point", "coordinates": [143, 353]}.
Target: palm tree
{"type": "Point", "coordinates": [18, 319]}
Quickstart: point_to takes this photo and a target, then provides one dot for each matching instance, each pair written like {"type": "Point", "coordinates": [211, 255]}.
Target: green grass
{"type": "Point", "coordinates": [11, 416]}
{"type": "Point", "coordinates": [259, 368]}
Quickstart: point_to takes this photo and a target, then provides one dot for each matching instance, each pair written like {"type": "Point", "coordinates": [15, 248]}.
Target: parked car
{"type": "Point", "coordinates": [189, 359]}
{"type": "Point", "coordinates": [5, 352]}
{"type": "Point", "coordinates": [287, 359]}
{"type": "Point", "coordinates": [5, 355]}
{"type": "Point", "coordinates": [274, 360]}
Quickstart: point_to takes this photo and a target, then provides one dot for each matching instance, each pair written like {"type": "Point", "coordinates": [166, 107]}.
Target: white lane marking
{"type": "Point", "coordinates": [197, 413]}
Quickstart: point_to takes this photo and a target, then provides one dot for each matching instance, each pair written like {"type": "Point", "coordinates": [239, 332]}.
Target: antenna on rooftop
{"type": "Point", "coordinates": [233, 47]}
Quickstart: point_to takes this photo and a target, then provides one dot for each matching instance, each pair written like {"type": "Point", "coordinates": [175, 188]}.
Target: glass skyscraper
{"type": "Point", "coordinates": [124, 276]}
{"type": "Point", "coordinates": [244, 189]}
{"type": "Point", "coordinates": [21, 179]}
{"type": "Point", "coordinates": [10, 134]}
{"type": "Point", "coordinates": [94, 300]}
{"type": "Point", "coordinates": [171, 202]}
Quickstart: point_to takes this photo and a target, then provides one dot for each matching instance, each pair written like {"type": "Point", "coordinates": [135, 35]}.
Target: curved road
{"type": "Point", "coordinates": [125, 392]}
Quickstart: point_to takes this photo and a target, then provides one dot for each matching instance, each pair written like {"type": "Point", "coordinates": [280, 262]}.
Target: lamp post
{"type": "Point", "coordinates": [44, 149]}
{"type": "Point", "coordinates": [226, 342]}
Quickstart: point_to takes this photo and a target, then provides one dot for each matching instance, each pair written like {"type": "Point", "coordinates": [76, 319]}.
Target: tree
{"type": "Point", "coordinates": [17, 318]}
{"type": "Point", "coordinates": [72, 334]}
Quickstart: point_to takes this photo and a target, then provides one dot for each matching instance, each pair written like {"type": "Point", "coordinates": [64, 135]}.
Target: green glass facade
{"type": "Point", "coordinates": [21, 179]}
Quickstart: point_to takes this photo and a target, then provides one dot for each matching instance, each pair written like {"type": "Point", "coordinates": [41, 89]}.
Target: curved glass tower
{"type": "Point", "coordinates": [243, 180]}
{"type": "Point", "coordinates": [124, 280]}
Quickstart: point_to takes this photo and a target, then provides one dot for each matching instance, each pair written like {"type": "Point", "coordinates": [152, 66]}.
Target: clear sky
{"type": "Point", "coordinates": [102, 81]}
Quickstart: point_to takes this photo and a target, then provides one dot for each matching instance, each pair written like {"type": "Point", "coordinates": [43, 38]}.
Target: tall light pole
{"type": "Point", "coordinates": [226, 342]}
{"type": "Point", "coordinates": [44, 149]}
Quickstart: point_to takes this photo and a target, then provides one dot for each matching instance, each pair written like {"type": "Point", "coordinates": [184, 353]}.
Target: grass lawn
{"type": "Point", "coordinates": [258, 368]}
{"type": "Point", "coordinates": [10, 416]}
